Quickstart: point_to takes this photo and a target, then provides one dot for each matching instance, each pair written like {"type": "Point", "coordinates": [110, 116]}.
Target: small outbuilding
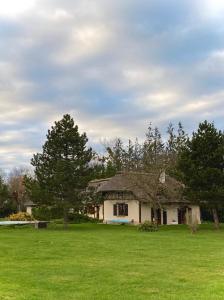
{"type": "Point", "coordinates": [29, 205]}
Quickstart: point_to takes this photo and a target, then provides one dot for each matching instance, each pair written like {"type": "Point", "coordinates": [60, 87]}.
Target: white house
{"type": "Point", "coordinates": [130, 197]}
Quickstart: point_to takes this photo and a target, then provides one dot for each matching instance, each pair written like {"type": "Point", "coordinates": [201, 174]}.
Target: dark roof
{"type": "Point", "coordinates": [97, 182]}
{"type": "Point", "coordinates": [143, 186]}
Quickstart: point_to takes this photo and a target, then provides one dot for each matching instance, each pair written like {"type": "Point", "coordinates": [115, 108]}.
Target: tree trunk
{"type": "Point", "coordinates": [65, 218]}
{"type": "Point", "coordinates": [155, 216]}
{"type": "Point", "coordinates": [215, 218]}
{"type": "Point", "coordinates": [19, 207]}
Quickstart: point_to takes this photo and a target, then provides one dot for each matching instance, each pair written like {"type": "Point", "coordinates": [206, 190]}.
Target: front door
{"type": "Point", "coordinates": [164, 217]}
{"type": "Point", "coordinates": [181, 215]}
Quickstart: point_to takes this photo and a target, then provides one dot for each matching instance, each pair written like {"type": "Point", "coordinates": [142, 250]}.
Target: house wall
{"type": "Point", "coordinates": [146, 212]}
{"type": "Point", "coordinates": [101, 212]}
{"type": "Point", "coordinates": [133, 210]}
{"type": "Point", "coordinates": [29, 210]}
{"type": "Point", "coordinates": [172, 214]}
{"type": "Point", "coordinates": [191, 216]}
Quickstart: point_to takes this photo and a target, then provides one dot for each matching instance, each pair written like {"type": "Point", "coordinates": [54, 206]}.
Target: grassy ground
{"type": "Point", "coordinates": [111, 262]}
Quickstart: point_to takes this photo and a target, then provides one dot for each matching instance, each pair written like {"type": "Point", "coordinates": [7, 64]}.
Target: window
{"type": "Point", "coordinates": [121, 209]}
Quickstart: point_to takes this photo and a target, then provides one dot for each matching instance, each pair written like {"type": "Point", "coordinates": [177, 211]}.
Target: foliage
{"type": "Point", "coordinates": [201, 164]}
{"type": "Point", "coordinates": [63, 169]}
{"type": "Point", "coordinates": [45, 213]}
{"type": "Point", "coordinates": [176, 142]}
{"type": "Point", "coordinates": [206, 214]}
{"type": "Point", "coordinates": [20, 216]}
{"type": "Point", "coordinates": [193, 226]}
{"type": "Point", "coordinates": [102, 167]}
{"type": "Point", "coordinates": [17, 188]}
{"type": "Point", "coordinates": [116, 154]}
{"type": "Point", "coordinates": [77, 218]}
{"type": "Point", "coordinates": [7, 206]}
{"type": "Point", "coordinates": [148, 226]}
{"type": "Point", "coordinates": [91, 197]}
{"type": "Point", "coordinates": [153, 148]}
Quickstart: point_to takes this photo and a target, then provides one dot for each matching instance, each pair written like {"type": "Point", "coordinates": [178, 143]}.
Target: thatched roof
{"type": "Point", "coordinates": [144, 186]}
{"type": "Point", "coordinates": [96, 183]}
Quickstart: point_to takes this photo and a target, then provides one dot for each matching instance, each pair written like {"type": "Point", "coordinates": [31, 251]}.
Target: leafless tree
{"type": "Point", "coordinates": [16, 186]}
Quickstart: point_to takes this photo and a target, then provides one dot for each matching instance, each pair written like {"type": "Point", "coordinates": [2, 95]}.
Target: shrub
{"type": "Point", "coordinates": [193, 227]}
{"type": "Point", "coordinates": [77, 218]}
{"type": "Point", "coordinates": [20, 216]}
{"type": "Point", "coordinates": [148, 226]}
{"type": "Point", "coordinates": [41, 213]}
{"type": "Point", "coordinates": [47, 213]}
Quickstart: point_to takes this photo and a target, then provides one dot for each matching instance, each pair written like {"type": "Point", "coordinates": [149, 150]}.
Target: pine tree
{"type": "Point", "coordinates": [62, 169]}
{"type": "Point", "coordinates": [171, 142]}
{"type": "Point", "coordinates": [116, 154]}
{"type": "Point", "coordinates": [201, 164]}
{"type": "Point", "coordinates": [175, 143]}
{"type": "Point", "coordinates": [181, 138]}
{"type": "Point", "coordinates": [153, 148]}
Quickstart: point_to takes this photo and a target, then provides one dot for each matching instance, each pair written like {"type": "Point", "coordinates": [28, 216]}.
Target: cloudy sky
{"type": "Point", "coordinates": [115, 65]}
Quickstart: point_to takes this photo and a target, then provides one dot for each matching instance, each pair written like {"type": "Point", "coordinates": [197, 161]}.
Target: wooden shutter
{"type": "Point", "coordinates": [120, 209]}
{"type": "Point", "coordinates": [126, 209]}
{"type": "Point", "coordinates": [115, 209]}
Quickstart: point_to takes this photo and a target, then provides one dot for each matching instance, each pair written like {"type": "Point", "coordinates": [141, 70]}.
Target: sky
{"type": "Point", "coordinates": [114, 65]}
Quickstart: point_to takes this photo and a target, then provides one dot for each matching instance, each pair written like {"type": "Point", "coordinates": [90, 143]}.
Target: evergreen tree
{"type": "Point", "coordinates": [137, 155]}
{"type": "Point", "coordinates": [181, 138]}
{"type": "Point", "coordinates": [6, 204]}
{"type": "Point", "coordinates": [153, 148]}
{"type": "Point", "coordinates": [175, 143]}
{"type": "Point", "coordinates": [62, 169]}
{"type": "Point", "coordinates": [116, 154]}
{"type": "Point", "coordinates": [201, 164]}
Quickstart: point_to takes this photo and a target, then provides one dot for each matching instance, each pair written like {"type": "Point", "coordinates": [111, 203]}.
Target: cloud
{"type": "Point", "coordinates": [114, 65]}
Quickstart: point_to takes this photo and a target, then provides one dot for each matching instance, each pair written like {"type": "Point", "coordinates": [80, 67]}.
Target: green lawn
{"type": "Point", "coordinates": [93, 261]}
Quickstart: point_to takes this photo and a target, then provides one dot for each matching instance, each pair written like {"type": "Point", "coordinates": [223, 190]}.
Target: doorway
{"type": "Point", "coordinates": [158, 214]}
{"type": "Point", "coordinates": [164, 217]}
{"type": "Point", "coordinates": [181, 215]}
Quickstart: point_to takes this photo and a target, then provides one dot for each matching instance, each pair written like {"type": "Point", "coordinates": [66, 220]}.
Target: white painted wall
{"type": "Point", "coordinates": [146, 212]}
{"type": "Point", "coordinates": [172, 214]}
{"type": "Point", "coordinates": [29, 210]}
{"type": "Point", "coordinates": [133, 210]}
{"type": "Point", "coordinates": [101, 212]}
{"type": "Point", "coordinates": [193, 215]}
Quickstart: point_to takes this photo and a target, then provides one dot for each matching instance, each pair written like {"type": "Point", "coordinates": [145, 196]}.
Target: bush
{"type": "Point", "coordinates": [148, 226]}
{"type": "Point", "coordinates": [20, 216]}
{"type": "Point", "coordinates": [41, 213]}
{"type": "Point", "coordinates": [193, 227]}
{"type": "Point", "coordinates": [47, 213]}
{"type": "Point", "coordinates": [77, 218]}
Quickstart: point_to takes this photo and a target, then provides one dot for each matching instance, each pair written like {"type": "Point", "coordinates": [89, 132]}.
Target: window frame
{"type": "Point", "coordinates": [120, 209]}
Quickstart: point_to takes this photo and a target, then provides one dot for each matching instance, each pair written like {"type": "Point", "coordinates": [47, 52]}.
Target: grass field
{"type": "Point", "coordinates": [93, 261]}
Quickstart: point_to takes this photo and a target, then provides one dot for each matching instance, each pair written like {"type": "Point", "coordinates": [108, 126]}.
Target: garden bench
{"type": "Point", "coordinates": [119, 221]}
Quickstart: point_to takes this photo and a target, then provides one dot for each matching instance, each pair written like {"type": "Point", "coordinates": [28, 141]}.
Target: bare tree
{"type": "Point", "coordinates": [16, 186]}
